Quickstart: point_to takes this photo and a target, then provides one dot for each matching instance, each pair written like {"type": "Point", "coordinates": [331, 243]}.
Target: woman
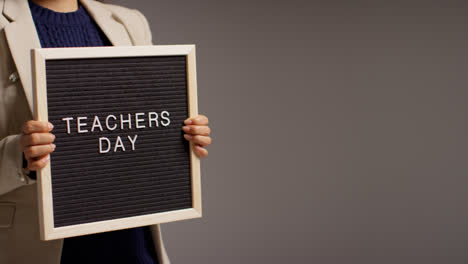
{"type": "Point", "coordinates": [25, 144]}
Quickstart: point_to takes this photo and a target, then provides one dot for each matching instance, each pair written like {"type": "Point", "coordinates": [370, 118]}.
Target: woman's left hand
{"type": "Point", "coordinates": [197, 131]}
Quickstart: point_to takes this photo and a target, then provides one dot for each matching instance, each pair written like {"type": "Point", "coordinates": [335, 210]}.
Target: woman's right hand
{"type": "Point", "coordinates": [36, 141]}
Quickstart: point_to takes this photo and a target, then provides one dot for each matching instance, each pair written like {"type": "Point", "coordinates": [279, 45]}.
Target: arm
{"type": "Point", "coordinates": [12, 174]}
{"type": "Point", "coordinates": [34, 145]}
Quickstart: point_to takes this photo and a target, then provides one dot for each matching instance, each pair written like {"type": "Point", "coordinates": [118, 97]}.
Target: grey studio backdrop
{"type": "Point", "coordinates": [340, 130]}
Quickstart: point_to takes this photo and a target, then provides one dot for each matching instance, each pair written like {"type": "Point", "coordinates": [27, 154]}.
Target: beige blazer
{"type": "Point", "coordinates": [19, 223]}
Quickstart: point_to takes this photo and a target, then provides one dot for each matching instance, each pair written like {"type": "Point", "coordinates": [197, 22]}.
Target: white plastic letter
{"type": "Point", "coordinates": [107, 122]}
{"type": "Point", "coordinates": [67, 119]}
{"type": "Point", "coordinates": [128, 121]}
{"type": "Point", "coordinates": [100, 145]}
{"type": "Point", "coordinates": [132, 141]}
{"type": "Point", "coordinates": [137, 120]}
{"type": "Point", "coordinates": [81, 124]}
{"type": "Point", "coordinates": [165, 118]}
{"type": "Point", "coordinates": [119, 143]}
{"type": "Point", "coordinates": [96, 123]}
{"type": "Point", "coordinates": [155, 118]}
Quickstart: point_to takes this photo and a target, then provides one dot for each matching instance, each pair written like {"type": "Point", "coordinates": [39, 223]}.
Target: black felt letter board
{"type": "Point", "coordinates": [150, 176]}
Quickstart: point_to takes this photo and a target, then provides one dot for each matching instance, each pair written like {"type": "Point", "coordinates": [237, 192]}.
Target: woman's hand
{"type": "Point", "coordinates": [198, 132]}
{"type": "Point", "coordinates": [36, 142]}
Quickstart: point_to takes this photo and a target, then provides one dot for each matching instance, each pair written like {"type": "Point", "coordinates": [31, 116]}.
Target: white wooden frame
{"type": "Point", "coordinates": [44, 184]}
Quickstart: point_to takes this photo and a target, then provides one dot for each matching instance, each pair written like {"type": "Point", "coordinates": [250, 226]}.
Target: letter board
{"type": "Point", "coordinates": [121, 160]}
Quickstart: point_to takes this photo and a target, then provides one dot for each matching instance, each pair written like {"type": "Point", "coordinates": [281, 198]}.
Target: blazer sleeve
{"type": "Point", "coordinates": [12, 173]}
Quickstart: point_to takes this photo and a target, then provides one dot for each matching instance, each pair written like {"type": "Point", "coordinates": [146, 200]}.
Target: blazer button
{"type": "Point", "coordinates": [21, 176]}
{"type": "Point", "coordinates": [13, 77]}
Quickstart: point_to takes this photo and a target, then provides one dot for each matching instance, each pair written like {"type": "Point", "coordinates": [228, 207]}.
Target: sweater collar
{"type": "Point", "coordinates": [45, 15]}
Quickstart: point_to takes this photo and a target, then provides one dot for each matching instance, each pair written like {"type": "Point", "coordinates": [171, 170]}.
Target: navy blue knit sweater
{"type": "Point", "coordinates": [130, 246]}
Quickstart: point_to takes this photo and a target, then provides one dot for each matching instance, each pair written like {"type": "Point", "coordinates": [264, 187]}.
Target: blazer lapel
{"type": "Point", "coordinates": [114, 31]}
{"type": "Point", "coordinates": [22, 37]}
